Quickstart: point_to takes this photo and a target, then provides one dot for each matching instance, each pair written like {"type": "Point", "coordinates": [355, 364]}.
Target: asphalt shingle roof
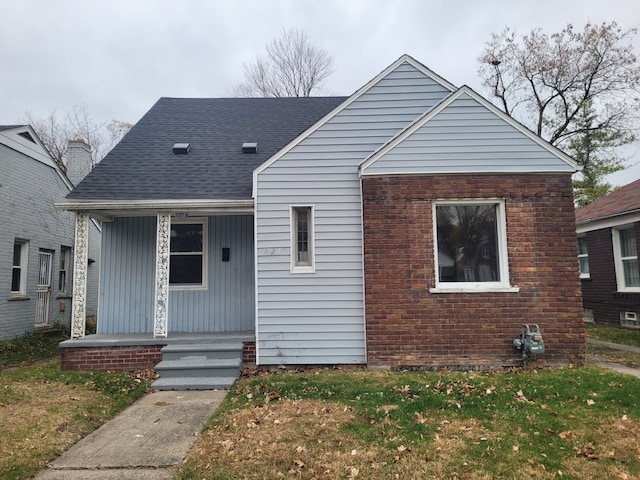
{"type": "Point", "coordinates": [143, 166]}
{"type": "Point", "coordinates": [624, 200]}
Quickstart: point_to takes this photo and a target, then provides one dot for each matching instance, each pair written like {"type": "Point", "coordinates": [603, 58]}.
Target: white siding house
{"type": "Point", "coordinates": [318, 317]}
{"type": "Point", "coordinates": [36, 240]}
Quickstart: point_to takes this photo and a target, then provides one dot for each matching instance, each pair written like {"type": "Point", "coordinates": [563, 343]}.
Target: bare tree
{"type": "Point", "coordinates": [56, 130]}
{"type": "Point", "coordinates": [292, 67]}
{"type": "Point", "coordinates": [549, 81]}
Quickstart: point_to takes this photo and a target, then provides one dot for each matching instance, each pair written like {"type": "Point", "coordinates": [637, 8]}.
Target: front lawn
{"type": "Point", "coordinates": [43, 410]}
{"type": "Point", "coordinates": [579, 423]}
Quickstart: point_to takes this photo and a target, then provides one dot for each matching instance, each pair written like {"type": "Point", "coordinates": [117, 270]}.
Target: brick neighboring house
{"type": "Point", "coordinates": [608, 249]}
{"type": "Point", "coordinates": [36, 240]}
{"type": "Point", "coordinates": [412, 224]}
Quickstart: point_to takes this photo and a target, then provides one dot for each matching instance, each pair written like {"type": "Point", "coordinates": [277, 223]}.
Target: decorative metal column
{"type": "Point", "coordinates": [80, 264]}
{"type": "Point", "coordinates": [161, 309]}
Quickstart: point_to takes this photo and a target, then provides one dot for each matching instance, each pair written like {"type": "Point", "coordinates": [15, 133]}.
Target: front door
{"type": "Point", "coordinates": [44, 288]}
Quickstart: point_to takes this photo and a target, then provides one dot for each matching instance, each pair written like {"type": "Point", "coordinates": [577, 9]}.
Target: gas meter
{"type": "Point", "coordinates": [530, 340]}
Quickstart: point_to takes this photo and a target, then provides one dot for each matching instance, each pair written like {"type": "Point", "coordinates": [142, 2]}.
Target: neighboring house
{"type": "Point", "coordinates": [608, 232]}
{"type": "Point", "coordinates": [36, 240]}
{"type": "Point", "coordinates": [412, 224]}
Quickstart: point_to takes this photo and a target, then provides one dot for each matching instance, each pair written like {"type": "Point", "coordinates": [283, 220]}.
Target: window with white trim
{"type": "Point", "coordinates": [19, 268]}
{"type": "Point", "coordinates": [302, 240]}
{"type": "Point", "coordinates": [583, 257]}
{"type": "Point", "coordinates": [470, 246]}
{"type": "Point", "coordinates": [187, 254]}
{"type": "Point", "coordinates": [63, 271]}
{"type": "Point", "coordinates": [625, 255]}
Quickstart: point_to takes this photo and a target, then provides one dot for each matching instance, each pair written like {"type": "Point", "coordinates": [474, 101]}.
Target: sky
{"type": "Point", "coordinates": [117, 57]}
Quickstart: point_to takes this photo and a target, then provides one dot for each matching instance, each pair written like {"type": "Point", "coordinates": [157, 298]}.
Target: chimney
{"type": "Point", "coordinates": [79, 160]}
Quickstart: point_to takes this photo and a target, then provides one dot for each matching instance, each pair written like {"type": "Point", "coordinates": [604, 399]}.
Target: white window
{"type": "Point", "coordinates": [188, 259]}
{"type": "Point", "coordinates": [302, 239]}
{"type": "Point", "coordinates": [470, 246]}
{"type": "Point", "coordinates": [63, 275]}
{"type": "Point", "coordinates": [19, 269]}
{"type": "Point", "coordinates": [626, 259]}
{"type": "Point", "coordinates": [583, 257]}
{"type": "Point", "coordinates": [629, 319]}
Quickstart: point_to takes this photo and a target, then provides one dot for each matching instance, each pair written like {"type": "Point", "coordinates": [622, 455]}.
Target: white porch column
{"type": "Point", "coordinates": [80, 264]}
{"type": "Point", "coordinates": [161, 304]}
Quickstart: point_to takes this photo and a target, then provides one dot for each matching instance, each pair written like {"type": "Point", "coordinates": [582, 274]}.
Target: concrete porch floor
{"type": "Point", "coordinates": [130, 339]}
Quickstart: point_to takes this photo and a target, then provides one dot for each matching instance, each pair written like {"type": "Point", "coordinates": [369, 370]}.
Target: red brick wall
{"type": "Point", "coordinates": [249, 352]}
{"type": "Point", "coordinates": [135, 357]}
{"type": "Point", "coordinates": [407, 326]}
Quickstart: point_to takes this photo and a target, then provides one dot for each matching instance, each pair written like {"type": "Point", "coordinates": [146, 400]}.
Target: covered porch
{"type": "Point", "coordinates": [172, 273]}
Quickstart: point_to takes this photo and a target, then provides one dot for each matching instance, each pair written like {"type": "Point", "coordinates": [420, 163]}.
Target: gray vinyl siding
{"type": "Point", "coordinates": [318, 318]}
{"type": "Point", "coordinates": [128, 273]}
{"type": "Point", "coordinates": [28, 190]}
{"type": "Point", "coordinates": [466, 137]}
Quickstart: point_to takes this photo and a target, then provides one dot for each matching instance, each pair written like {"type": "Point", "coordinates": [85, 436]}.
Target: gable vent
{"type": "Point", "coordinates": [27, 135]}
{"type": "Point", "coordinates": [250, 147]}
{"type": "Point", "coordinates": [181, 148]}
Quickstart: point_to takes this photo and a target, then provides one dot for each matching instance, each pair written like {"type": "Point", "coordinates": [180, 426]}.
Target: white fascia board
{"type": "Point", "coordinates": [427, 116]}
{"type": "Point", "coordinates": [178, 205]}
{"type": "Point", "coordinates": [608, 222]}
{"type": "Point", "coordinates": [357, 94]}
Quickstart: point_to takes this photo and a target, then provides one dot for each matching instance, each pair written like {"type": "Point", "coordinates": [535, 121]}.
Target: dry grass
{"type": "Point", "coordinates": [43, 411]}
{"type": "Point", "coordinates": [283, 435]}
{"type": "Point", "coordinates": [42, 419]}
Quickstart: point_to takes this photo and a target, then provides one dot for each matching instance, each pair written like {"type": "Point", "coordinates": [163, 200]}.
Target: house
{"type": "Point", "coordinates": [410, 225]}
{"type": "Point", "coordinates": [608, 229]}
{"type": "Point", "coordinates": [36, 240]}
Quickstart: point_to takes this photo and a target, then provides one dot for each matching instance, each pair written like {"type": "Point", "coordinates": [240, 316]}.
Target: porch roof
{"type": "Point", "coordinates": [144, 167]}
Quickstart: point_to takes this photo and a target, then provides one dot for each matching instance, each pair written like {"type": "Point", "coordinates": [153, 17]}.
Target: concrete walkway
{"type": "Point", "coordinates": [147, 441]}
{"type": "Point", "coordinates": [611, 365]}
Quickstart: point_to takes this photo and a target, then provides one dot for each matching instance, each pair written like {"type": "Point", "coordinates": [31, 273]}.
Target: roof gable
{"type": "Point", "coordinates": [466, 134]}
{"type": "Point", "coordinates": [352, 102]}
{"type": "Point", "coordinates": [623, 201]}
{"type": "Point", "coordinates": [24, 139]}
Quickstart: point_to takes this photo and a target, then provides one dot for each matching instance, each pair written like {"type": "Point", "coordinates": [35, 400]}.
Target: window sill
{"type": "Point", "coordinates": [63, 296]}
{"type": "Point", "coordinates": [585, 276]}
{"type": "Point", "coordinates": [475, 289]}
{"type": "Point", "coordinates": [19, 298]}
{"type": "Point", "coordinates": [303, 270]}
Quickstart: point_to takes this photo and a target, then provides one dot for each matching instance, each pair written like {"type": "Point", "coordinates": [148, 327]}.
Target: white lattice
{"type": "Point", "coordinates": [162, 275]}
{"type": "Point", "coordinates": [81, 257]}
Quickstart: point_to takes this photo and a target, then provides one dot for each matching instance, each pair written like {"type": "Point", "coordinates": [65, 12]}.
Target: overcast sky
{"type": "Point", "coordinates": [118, 57]}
